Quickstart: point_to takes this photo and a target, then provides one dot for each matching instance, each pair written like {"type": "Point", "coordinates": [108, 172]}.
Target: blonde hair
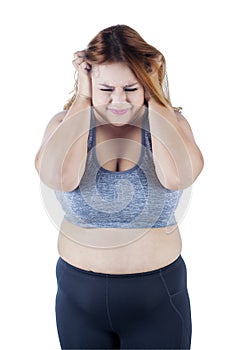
{"type": "Point", "coordinates": [121, 43]}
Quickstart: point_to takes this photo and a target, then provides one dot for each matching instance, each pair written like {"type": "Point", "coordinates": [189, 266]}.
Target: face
{"type": "Point", "coordinates": [117, 96]}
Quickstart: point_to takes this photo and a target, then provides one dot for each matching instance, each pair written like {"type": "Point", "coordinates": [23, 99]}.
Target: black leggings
{"type": "Point", "coordinates": [147, 310]}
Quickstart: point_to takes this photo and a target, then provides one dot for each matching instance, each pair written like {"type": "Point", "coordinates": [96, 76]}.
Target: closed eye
{"type": "Point", "coordinates": [126, 89]}
{"type": "Point", "coordinates": [129, 90]}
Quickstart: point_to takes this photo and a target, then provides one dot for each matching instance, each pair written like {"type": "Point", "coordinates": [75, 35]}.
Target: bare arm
{"type": "Point", "coordinates": [61, 158]}
{"type": "Point", "coordinates": [177, 158]}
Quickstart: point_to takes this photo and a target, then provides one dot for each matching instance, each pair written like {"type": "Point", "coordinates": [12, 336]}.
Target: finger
{"type": "Point", "coordinates": [85, 66]}
{"type": "Point", "coordinates": [78, 60]}
{"type": "Point", "coordinates": [75, 64]}
{"type": "Point", "coordinates": [80, 64]}
{"type": "Point", "coordinates": [79, 55]}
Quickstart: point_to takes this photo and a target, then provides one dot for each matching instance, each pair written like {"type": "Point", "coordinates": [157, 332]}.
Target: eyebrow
{"type": "Point", "coordinates": [110, 86]}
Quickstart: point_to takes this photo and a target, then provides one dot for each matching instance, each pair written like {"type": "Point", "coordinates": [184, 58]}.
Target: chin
{"type": "Point", "coordinates": [118, 123]}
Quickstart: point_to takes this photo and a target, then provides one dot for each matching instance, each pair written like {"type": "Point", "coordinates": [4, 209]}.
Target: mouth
{"type": "Point", "coordinates": [118, 111]}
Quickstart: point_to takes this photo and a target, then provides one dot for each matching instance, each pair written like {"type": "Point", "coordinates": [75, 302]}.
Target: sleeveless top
{"type": "Point", "coordinates": [133, 198]}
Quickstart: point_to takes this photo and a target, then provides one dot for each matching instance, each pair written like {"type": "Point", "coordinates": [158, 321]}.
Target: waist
{"type": "Point", "coordinates": [118, 250]}
{"type": "Point", "coordinates": [110, 237]}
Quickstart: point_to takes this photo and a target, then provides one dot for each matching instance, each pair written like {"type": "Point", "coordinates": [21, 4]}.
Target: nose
{"type": "Point", "coordinates": [118, 95]}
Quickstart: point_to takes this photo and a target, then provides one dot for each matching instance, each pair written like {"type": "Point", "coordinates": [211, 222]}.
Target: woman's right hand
{"type": "Point", "coordinates": [83, 68]}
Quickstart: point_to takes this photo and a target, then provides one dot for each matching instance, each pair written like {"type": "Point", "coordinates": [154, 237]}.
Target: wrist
{"type": "Point", "coordinates": [83, 96]}
{"type": "Point", "coordinates": [83, 100]}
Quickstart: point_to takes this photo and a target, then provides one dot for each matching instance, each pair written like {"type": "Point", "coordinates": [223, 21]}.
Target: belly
{"type": "Point", "coordinates": [135, 250]}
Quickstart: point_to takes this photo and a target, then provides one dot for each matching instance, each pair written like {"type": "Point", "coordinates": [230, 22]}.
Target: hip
{"type": "Point", "coordinates": [146, 310]}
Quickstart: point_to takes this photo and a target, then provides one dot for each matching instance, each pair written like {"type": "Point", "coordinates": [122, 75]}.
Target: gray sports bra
{"type": "Point", "coordinates": [133, 198]}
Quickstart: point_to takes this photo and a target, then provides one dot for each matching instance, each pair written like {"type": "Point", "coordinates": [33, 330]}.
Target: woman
{"type": "Point", "coordinates": [119, 157]}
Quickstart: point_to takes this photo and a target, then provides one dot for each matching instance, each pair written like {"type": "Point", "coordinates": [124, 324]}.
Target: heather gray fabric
{"type": "Point", "coordinates": [128, 199]}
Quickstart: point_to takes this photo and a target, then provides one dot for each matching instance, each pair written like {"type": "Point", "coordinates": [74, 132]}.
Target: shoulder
{"type": "Point", "coordinates": [53, 123]}
{"type": "Point", "coordinates": [58, 117]}
{"type": "Point", "coordinates": [184, 124]}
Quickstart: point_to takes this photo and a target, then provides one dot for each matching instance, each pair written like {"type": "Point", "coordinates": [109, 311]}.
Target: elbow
{"type": "Point", "coordinates": [56, 180]}
{"type": "Point", "coordinates": [185, 178]}
{"type": "Point", "coordinates": [198, 167]}
{"type": "Point", "coordinates": [37, 163]}
{"type": "Point", "coordinates": [189, 177]}
{"type": "Point", "coordinates": [67, 185]}
{"type": "Point", "coordinates": [172, 184]}
{"type": "Point", "coordinates": [47, 177]}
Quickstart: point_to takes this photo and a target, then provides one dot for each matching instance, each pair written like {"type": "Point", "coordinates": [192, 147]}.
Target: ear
{"type": "Point", "coordinates": [156, 64]}
{"type": "Point", "coordinates": [159, 60]}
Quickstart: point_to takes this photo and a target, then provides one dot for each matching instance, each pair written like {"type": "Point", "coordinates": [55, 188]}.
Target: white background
{"type": "Point", "coordinates": [38, 39]}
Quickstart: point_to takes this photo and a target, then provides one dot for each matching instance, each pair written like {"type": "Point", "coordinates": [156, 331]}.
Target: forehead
{"type": "Point", "coordinates": [113, 73]}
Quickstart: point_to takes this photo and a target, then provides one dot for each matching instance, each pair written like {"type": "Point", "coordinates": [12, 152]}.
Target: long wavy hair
{"type": "Point", "coordinates": [120, 43]}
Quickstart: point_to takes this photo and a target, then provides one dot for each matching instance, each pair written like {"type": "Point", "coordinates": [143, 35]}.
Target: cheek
{"type": "Point", "coordinates": [138, 99]}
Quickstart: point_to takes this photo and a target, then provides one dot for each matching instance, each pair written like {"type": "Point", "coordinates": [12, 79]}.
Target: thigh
{"type": "Point", "coordinates": [81, 316]}
{"type": "Point", "coordinates": [175, 285]}
{"type": "Point", "coordinates": [152, 311]}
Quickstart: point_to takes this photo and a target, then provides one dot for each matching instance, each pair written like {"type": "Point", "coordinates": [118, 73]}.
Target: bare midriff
{"type": "Point", "coordinates": [140, 250]}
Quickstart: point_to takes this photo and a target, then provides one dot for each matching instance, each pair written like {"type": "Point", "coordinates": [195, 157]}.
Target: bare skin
{"type": "Point", "coordinates": [153, 250]}
{"type": "Point", "coordinates": [150, 248]}
{"type": "Point", "coordinates": [146, 250]}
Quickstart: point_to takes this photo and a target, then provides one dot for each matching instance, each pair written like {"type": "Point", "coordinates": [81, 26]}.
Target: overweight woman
{"type": "Point", "coordinates": [118, 158]}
